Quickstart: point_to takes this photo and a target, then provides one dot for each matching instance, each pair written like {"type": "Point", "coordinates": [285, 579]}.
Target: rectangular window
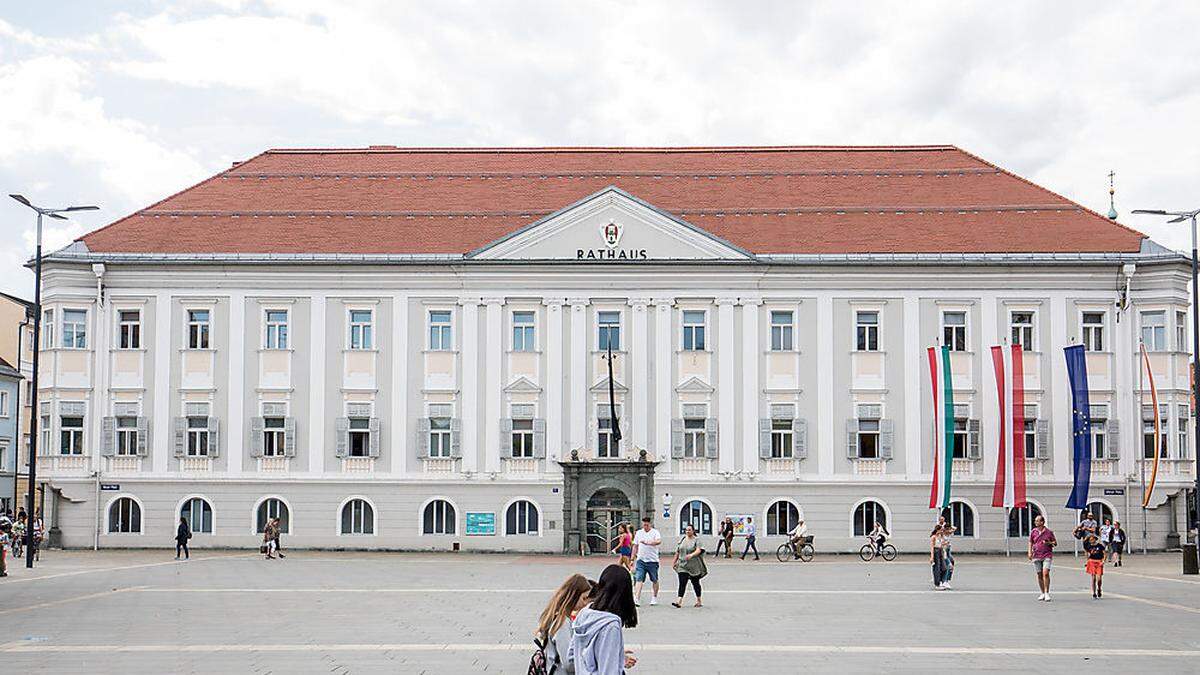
{"type": "Point", "coordinates": [1099, 429]}
{"type": "Point", "coordinates": [46, 433]}
{"type": "Point", "coordinates": [693, 330]}
{"type": "Point", "coordinates": [199, 324]}
{"type": "Point", "coordinates": [127, 434]}
{"type": "Point", "coordinates": [71, 435]}
{"type": "Point", "coordinates": [523, 336]}
{"type": "Point", "coordinates": [277, 329]}
{"type": "Point", "coordinates": [273, 437]}
{"type": "Point", "coordinates": [606, 445]}
{"type": "Point", "coordinates": [609, 335]}
{"type": "Point", "coordinates": [522, 438]}
{"type": "Point", "coordinates": [440, 335]}
{"type": "Point", "coordinates": [781, 331]}
{"type": "Point", "coordinates": [868, 438]}
{"type": "Point", "coordinates": [693, 437]}
{"type": "Point", "coordinates": [1182, 420]}
{"type": "Point", "coordinates": [3, 404]}
{"type": "Point", "coordinates": [781, 438]}
{"type": "Point", "coordinates": [954, 330]}
{"type": "Point", "coordinates": [1181, 344]}
{"type": "Point", "coordinates": [1093, 331]}
{"type": "Point", "coordinates": [960, 439]}
{"type": "Point", "coordinates": [1154, 331]}
{"type": "Point", "coordinates": [47, 328]}
{"type": "Point", "coordinates": [1030, 438]}
{"type": "Point", "coordinates": [362, 329]}
{"type": "Point", "coordinates": [197, 436]}
{"type": "Point", "coordinates": [1021, 324]}
{"type": "Point", "coordinates": [866, 328]}
{"type": "Point", "coordinates": [360, 436]}
{"type": "Point", "coordinates": [129, 330]}
{"type": "Point", "coordinates": [1148, 440]}
{"type": "Point", "coordinates": [74, 329]}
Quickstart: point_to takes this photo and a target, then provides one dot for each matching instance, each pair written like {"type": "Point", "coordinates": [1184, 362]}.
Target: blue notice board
{"type": "Point", "coordinates": [481, 523]}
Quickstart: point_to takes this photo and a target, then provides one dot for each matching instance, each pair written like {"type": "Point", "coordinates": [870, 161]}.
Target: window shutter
{"type": "Point", "coordinates": [342, 431]}
{"type": "Point", "coordinates": [143, 435]}
{"type": "Point", "coordinates": [214, 440]}
{"type": "Point", "coordinates": [289, 437]}
{"type": "Point", "coordinates": [456, 437]}
{"type": "Point", "coordinates": [1043, 439]}
{"type": "Point", "coordinates": [423, 437]}
{"type": "Point", "coordinates": [677, 438]}
{"type": "Point", "coordinates": [764, 438]}
{"type": "Point", "coordinates": [506, 428]}
{"type": "Point", "coordinates": [710, 437]}
{"type": "Point", "coordinates": [373, 442]}
{"type": "Point", "coordinates": [539, 438]}
{"type": "Point", "coordinates": [852, 438]}
{"type": "Point", "coordinates": [1112, 439]}
{"type": "Point", "coordinates": [973, 449]}
{"type": "Point", "coordinates": [887, 437]}
{"type": "Point", "coordinates": [108, 436]}
{"type": "Point", "coordinates": [180, 436]}
{"type": "Point", "coordinates": [799, 438]}
{"type": "Point", "coordinates": [257, 429]}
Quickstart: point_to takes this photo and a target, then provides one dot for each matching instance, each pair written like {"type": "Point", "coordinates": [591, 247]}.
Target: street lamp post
{"type": "Point", "coordinates": [37, 348]}
{"type": "Point", "coordinates": [1179, 217]}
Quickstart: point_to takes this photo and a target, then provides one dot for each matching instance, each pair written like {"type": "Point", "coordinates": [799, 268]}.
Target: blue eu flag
{"type": "Point", "coordinates": [1081, 425]}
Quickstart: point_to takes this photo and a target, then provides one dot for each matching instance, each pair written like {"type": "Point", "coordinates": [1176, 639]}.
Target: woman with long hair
{"type": "Point", "coordinates": [597, 641]}
{"type": "Point", "coordinates": [553, 631]}
{"type": "Point", "coordinates": [624, 547]}
{"type": "Point", "coordinates": [689, 564]}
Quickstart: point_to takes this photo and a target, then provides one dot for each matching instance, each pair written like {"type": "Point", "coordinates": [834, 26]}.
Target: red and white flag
{"type": "Point", "coordinates": [1010, 465]}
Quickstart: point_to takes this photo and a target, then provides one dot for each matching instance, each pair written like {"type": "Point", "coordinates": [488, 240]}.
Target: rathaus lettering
{"type": "Point", "coordinates": [609, 254]}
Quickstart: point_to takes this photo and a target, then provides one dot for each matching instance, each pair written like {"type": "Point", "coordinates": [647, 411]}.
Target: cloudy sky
{"type": "Point", "coordinates": [122, 103]}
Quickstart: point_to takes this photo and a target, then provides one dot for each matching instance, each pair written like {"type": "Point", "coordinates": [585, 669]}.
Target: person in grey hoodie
{"type": "Point", "coordinates": [553, 632]}
{"type": "Point", "coordinates": [597, 641]}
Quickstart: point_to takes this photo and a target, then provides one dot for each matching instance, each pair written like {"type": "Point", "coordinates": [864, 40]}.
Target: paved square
{"type": "Point", "coordinates": [325, 612]}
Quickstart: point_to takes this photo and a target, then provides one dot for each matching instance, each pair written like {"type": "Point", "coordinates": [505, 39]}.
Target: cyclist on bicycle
{"type": "Point", "coordinates": [879, 536]}
{"type": "Point", "coordinates": [796, 537]}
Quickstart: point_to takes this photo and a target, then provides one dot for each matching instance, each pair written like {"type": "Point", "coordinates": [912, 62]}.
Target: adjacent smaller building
{"type": "Point", "coordinates": [10, 380]}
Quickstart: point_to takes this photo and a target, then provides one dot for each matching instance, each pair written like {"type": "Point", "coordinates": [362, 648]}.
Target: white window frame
{"type": "Point", "coordinates": [276, 334]}
{"type": "Point", "coordinates": [127, 436]}
{"type": "Point", "coordinates": [360, 335]}
{"type": "Point", "coordinates": [782, 335]}
{"type": "Point", "coordinates": [523, 335]}
{"type": "Point", "coordinates": [274, 436]}
{"type": "Point", "coordinates": [439, 334]}
{"type": "Point", "coordinates": [1158, 333]}
{"type": "Point", "coordinates": [606, 447]}
{"type": "Point", "coordinates": [694, 336]}
{"type": "Point", "coordinates": [440, 433]}
{"type": "Point", "coordinates": [191, 521]}
{"type": "Point", "coordinates": [288, 526]}
{"type": "Point", "coordinates": [1181, 330]}
{"type": "Point", "coordinates": [74, 333]}
{"type": "Point", "coordinates": [197, 436]}
{"type": "Point", "coordinates": [1027, 337]}
{"type": "Point", "coordinates": [1183, 417]}
{"type": "Point", "coordinates": [356, 518]}
{"type": "Point", "coordinates": [694, 437]}
{"type": "Point", "coordinates": [1099, 430]}
{"type": "Point", "coordinates": [522, 522]}
{"type": "Point", "coordinates": [783, 441]}
{"type": "Point", "coordinates": [966, 506]}
{"type": "Point", "coordinates": [452, 522]}
{"type": "Point", "coordinates": [75, 440]}
{"type": "Point", "coordinates": [47, 328]}
{"type": "Point", "coordinates": [867, 335]}
{"type": "Point", "coordinates": [108, 516]}
{"type": "Point", "coordinates": [127, 331]}
{"type": "Point", "coordinates": [965, 329]}
{"type": "Point", "coordinates": [1093, 335]}
{"type": "Point", "coordinates": [522, 438]}
{"type": "Point", "coordinates": [202, 331]}
{"type": "Point", "coordinates": [620, 328]}
{"type": "Point", "coordinates": [4, 404]}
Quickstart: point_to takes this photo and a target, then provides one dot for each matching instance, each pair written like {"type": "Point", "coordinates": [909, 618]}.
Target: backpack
{"type": "Point", "coordinates": [537, 662]}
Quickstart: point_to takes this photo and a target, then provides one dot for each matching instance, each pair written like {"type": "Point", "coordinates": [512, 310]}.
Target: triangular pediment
{"type": "Point", "coordinates": [611, 226]}
{"type": "Point", "coordinates": [601, 387]}
{"type": "Point", "coordinates": [522, 385]}
{"type": "Point", "coordinates": [694, 385]}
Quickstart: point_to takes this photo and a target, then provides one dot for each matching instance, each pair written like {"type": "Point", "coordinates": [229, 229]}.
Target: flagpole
{"type": "Point", "coordinates": [1142, 435]}
{"type": "Point", "coordinates": [1007, 538]}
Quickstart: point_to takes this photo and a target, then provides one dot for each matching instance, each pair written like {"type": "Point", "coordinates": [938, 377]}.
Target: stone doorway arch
{"type": "Point", "coordinates": [599, 486]}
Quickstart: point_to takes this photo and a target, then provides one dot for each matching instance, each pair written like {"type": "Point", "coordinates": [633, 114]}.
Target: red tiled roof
{"type": "Point", "coordinates": [905, 199]}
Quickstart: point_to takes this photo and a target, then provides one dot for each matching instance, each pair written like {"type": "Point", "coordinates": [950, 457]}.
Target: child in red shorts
{"type": "Point", "coordinates": [1095, 563]}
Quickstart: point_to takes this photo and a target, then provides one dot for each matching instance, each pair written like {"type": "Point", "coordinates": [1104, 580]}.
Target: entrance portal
{"type": "Point", "coordinates": [606, 509]}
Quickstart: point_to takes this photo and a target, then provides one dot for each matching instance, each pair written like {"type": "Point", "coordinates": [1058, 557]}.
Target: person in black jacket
{"type": "Point", "coordinates": [182, 535]}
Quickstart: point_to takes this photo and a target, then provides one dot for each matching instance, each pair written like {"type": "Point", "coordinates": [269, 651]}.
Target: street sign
{"type": "Point", "coordinates": [110, 487]}
{"type": "Point", "coordinates": [1112, 492]}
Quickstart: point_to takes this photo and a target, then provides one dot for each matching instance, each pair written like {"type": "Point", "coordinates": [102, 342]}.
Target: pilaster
{"type": "Point", "coordinates": [493, 368]}
{"type": "Point", "coordinates": [751, 359]}
{"type": "Point", "coordinates": [468, 412]}
{"type": "Point", "coordinates": [726, 385]}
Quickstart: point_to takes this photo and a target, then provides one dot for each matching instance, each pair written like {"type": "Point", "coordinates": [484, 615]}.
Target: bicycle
{"type": "Point", "coordinates": [787, 551]}
{"type": "Point", "coordinates": [871, 550]}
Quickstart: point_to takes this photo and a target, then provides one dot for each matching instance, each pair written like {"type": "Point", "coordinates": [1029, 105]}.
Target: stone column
{"type": "Point", "coordinates": [638, 376]}
{"type": "Point", "coordinates": [726, 385]}
{"type": "Point", "coordinates": [664, 383]}
{"type": "Point", "coordinates": [468, 412]}
{"type": "Point", "coordinates": [493, 367]}
{"type": "Point", "coordinates": [553, 384]}
{"type": "Point", "coordinates": [751, 394]}
{"type": "Point", "coordinates": [579, 375]}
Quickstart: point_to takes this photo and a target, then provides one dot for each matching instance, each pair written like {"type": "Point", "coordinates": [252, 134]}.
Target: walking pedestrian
{"type": "Point", "coordinates": [268, 545]}
{"type": "Point", "coordinates": [725, 537]}
{"type": "Point", "coordinates": [1041, 553]}
{"type": "Point", "coordinates": [937, 556]}
{"type": "Point", "coordinates": [645, 550]}
{"type": "Point", "coordinates": [751, 531]}
{"type": "Point", "coordinates": [5, 537]}
{"type": "Point", "coordinates": [1095, 563]}
{"type": "Point", "coordinates": [689, 565]}
{"type": "Point", "coordinates": [624, 548]}
{"type": "Point", "coordinates": [1118, 543]}
{"type": "Point", "coordinates": [553, 633]}
{"type": "Point", "coordinates": [277, 530]}
{"type": "Point", "coordinates": [182, 534]}
{"type": "Point", "coordinates": [18, 536]}
{"type": "Point", "coordinates": [597, 640]}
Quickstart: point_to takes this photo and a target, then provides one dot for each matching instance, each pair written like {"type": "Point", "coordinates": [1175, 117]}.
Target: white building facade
{"type": "Point", "coordinates": [417, 399]}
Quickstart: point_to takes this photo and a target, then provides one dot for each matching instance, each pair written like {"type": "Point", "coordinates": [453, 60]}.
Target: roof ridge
{"type": "Point", "coordinates": [386, 149]}
{"type": "Point", "coordinates": [1055, 194]}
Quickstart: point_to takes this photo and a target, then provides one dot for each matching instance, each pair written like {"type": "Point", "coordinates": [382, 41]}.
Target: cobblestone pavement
{"type": "Point", "coordinates": [326, 612]}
